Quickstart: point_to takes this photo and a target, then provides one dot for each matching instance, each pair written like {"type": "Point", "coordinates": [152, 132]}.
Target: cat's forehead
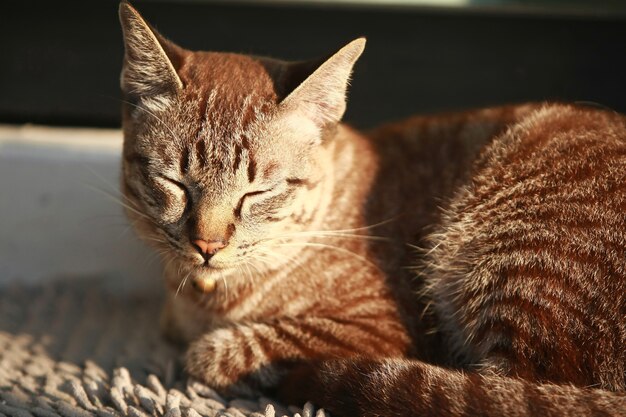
{"type": "Point", "coordinates": [233, 80]}
{"type": "Point", "coordinates": [227, 94]}
{"type": "Point", "coordinates": [223, 121]}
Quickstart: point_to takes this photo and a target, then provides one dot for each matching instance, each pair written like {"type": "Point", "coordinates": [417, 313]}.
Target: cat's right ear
{"type": "Point", "coordinates": [322, 95]}
{"type": "Point", "coordinates": [148, 70]}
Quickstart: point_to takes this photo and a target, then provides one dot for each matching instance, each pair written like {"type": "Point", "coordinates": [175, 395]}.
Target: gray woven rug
{"type": "Point", "coordinates": [87, 347]}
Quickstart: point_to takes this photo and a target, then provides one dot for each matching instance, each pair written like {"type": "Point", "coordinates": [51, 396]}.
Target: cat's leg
{"type": "Point", "coordinates": [244, 357]}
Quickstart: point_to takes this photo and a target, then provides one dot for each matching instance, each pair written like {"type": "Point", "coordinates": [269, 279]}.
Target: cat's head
{"type": "Point", "coordinates": [225, 153]}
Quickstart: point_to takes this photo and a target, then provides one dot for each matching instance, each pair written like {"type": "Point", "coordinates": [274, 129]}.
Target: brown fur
{"type": "Point", "coordinates": [519, 304]}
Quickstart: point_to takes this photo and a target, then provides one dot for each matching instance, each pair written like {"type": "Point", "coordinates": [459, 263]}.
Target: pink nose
{"type": "Point", "coordinates": [208, 248]}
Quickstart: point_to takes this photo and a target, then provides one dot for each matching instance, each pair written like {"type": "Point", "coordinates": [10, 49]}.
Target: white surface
{"type": "Point", "coordinates": [57, 214]}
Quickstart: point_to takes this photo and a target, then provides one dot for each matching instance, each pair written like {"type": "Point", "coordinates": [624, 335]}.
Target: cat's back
{"type": "Point", "coordinates": [560, 166]}
{"type": "Point", "coordinates": [528, 268]}
{"type": "Point", "coordinates": [422, 160]}
{"type": "Point", "coordinates": [564, 142]}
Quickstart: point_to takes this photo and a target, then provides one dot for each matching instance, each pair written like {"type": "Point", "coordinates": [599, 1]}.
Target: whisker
{"type": "Point", "coordinates": [225, 285]}
{"type": "Point", "coordinates": [260, 257]}
{"type": "Point", "coordinates": [334, 234]}
{"type": "Point", "coordinates": [117, 200]}
{"type": "Point", "coordinates": [283, 259]}
{"type": "Point", "coordinates": [252, 265]}
{"type": "Point", "coordinates": [168, 262]}
{"type": "Point", "coordinates": [155, 239]}
{"type": "Point", "coordinates": [113, 187]}
{"type": "Point", "coordinates": [368, 227]}
{"type": "Point", "coordinates": [339, 233]}
{"type": "Point", "coordinates": [100, 177]}
{"type": "Point", "coordinates": [263, 253]}
{"type": "Point", "coordinates": [337, 248]}
{"type": "Point", "coordinates": [247, 272]}
{"type": "Point", "coordinates": [126, 229]}
{"type": "Point", "coordinates": [181, 286]}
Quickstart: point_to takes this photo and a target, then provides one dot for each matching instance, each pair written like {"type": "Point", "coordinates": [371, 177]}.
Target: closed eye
{"type": "Point", "coordinates": [180, 186]}
{"type": "Point", "coordinates": [243, 198]}
{"type": "Point", "coordinates": [177, 184]}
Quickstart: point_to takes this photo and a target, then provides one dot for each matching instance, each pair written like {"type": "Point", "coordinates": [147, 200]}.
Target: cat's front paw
{"type": "Point", "coordinates": [223, 362]}
{"type": "Point", "coordinates": [202, 363]}
{"type": "Point", "coordinates": [213, 361]}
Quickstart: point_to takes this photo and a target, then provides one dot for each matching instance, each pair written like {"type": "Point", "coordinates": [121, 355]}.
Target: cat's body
{"type": "Point", "coordinates": [525, 273]}
{"type": "Point", "coordinates": [237, 168]}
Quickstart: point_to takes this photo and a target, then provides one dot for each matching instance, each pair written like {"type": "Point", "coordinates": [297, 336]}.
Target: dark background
{"type": "Point", "coordinates": [60, 61]}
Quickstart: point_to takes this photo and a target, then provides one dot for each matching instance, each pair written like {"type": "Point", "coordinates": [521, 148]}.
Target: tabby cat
{"type": "Point", "coordinates": [454, 265]}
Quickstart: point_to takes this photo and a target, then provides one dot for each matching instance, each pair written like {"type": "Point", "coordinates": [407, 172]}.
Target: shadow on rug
{"type": "Point", "coordinates": [83, 348]}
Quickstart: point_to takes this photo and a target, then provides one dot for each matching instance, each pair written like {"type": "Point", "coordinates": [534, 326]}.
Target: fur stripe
{"type": "Point", "coordinates": [184, 160]}
{"type": "Point", "coordinates": [320, 331]}
{"type": "Point", "coordinates": [299, 182]}
{"type": "Point", "coordinates": [251, 169]}
{"type": "Point", "coordinates": [201, 152]}
{"type": "Point", "coordinates": [237, 162]}
{"type": "Point", "coordinates": [291, 334]}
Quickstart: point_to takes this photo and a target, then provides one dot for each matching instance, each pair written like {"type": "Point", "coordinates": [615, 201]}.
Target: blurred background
{"type": "Point", "coordinates": [60, 61]}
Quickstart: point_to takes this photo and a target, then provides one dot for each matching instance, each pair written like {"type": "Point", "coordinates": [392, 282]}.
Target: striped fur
{"type": "Point", "coordinates": [514, 302]}
{"type": "Point", "coordinates": [525, 275]}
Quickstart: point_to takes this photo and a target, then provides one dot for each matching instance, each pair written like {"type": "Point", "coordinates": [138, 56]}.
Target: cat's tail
{"type": "Point", "coordinates": [402, 387]}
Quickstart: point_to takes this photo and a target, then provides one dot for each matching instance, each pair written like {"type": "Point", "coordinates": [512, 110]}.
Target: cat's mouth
{"type": "Point", "coordinates": [207, 264]}
{"type": "Point", "coordinates": [216, 262]}
{"type": "Point", "coordinates": [212, 264]}
{"type": "Point", "coordinates": [204, 262]}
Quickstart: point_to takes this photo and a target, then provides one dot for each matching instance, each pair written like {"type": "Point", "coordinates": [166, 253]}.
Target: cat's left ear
{"type": "Point", "coordinates": [149, 59]}
{"type": "Point", "coordinates": [322, 95]}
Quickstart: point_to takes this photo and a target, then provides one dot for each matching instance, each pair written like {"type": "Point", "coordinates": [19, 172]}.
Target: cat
{"type": "Point", "coordinates": [460, 264]}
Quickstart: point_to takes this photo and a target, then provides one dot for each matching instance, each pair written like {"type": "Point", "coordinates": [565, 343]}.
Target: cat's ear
{"type": "Point", "coordinates": [322, 95]}
{"type": "Point", "coordinates": [148, 70]}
